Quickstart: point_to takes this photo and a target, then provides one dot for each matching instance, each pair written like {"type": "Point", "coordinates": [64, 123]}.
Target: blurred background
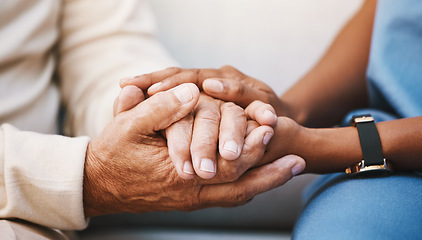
{"type": "Point", "coordinates": [275, 41]}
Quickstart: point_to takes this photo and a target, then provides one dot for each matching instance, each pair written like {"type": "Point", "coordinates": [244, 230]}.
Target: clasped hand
{"type": "Point", "coordinates": [134, 165]}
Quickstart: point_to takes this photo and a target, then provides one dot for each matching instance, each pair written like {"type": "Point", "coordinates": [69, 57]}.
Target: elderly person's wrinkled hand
{"type": "Point", "coordinates": [213, 125]}
{"type": "Point", "coordinates": [128, 168]}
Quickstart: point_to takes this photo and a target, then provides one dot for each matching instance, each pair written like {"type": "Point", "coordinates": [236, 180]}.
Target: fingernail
{"type": "Point", "coordinates": [267, 138]}
{"type": "Point", "coordinates": [187, 168]}
{"type": "Point", "coordinates": [269, 114]}
{"type": "Point", "coordinates": [207, 165]}
{"type": "Point", "coordinates": [296, 169]}
{"type": "Point", "coordinates": [230, 146]}
{"type": "Point", "coordinates": [213, 85]}
{"type": "Point", "coordinates": [183, 93]}
{"type": "Point", "coordinates": [154, 86]}
{"type": "Point", "coordinates": [291, 160]}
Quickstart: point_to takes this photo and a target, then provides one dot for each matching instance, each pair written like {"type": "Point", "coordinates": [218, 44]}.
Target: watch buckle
{"type": "Point", "coordinates": [362, 119]}
{"type": "Point", "coordinates": [361, 167]}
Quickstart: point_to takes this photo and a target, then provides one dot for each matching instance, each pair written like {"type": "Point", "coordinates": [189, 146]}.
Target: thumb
{"type": "Point", "coordinates": [253, 182]}
{"type": "Point", "coordinates": [164, 108]}
{"type": "Point", "coordinates": [129, 97]}
{"type": "Point", "coordinates": [295, 163]}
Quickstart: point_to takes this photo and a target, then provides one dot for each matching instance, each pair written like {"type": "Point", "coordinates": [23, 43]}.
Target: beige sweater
{"type": "Point", "coordinates": [74, 51]}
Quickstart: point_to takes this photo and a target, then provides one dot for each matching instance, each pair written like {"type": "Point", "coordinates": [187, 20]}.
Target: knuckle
{"type": "Point", "coordinates": [178, 78]}
{"type": "Point", "coordinates": [196, 72]}
{"type": "Point", "coordinates": [202, 147]}
{"type": "Point", "coordinates": [229, 172]}
{"type": "Point", "coordinates": [232, 72]}
{"type": "Point", "coordinates": [191, 74]}
{"type": "Point", "coordinates": [203, 74]}
{"type": "Point", "coordinates": [230, 176]}
{"type": "Point", "coordinates": [254, 106]}
{"type": "Point", "coordinates": [208, 114]}
{"type": "Point", "coordinates": [241, 196]}
{"type": "Point", "coordinates": [187, 76]}
{"type": "Point", "coordinates": [204, 144]}
{"type": "Point", "coordinates": [267, 98]}
{"type": "Point", "coordinates": [179, 148]}
{"type": "Point", "coordinates": [228, 67]}
{"type": "Point", "coordinates": [183, 126]}
{"type": "Point", "coordinates": [287, 123]}
{"type": "Point", "coordinates": [146, 76]}
{"type": "Point", "coordinates": [235, 109]}
{"type": "Point", "coordinates": [202, 198]}
{"type": "Point", "coordinates": [212, 119]}
{"type": "Point", "coordinates": [230, 106]}
{"type": "Point", "coordinates": [238, 89]}
{"type": "Point", "coordinates": [174, 69]}
{"type": "Point", "coordinates": [189, 205]}
{"type": "Point", "coordinates": [257, 103]}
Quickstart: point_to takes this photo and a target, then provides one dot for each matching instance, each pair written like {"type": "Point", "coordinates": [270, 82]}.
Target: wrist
{"type": "Point", "coordinates": [328, 150]}
{"type": "Point", "coordinates": [288, 107]}
{"type": "Point", "coordinates": [94, 197]}
{"type": "Point", "coordinates": [288, 135]}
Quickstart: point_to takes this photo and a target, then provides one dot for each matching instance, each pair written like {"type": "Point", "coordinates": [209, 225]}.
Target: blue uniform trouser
{"type": "Point", "coordinates": [338, 206]}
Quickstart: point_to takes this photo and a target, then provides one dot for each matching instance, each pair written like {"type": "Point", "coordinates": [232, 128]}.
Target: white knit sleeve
{"type": "Point", "coordinates": [41, 178]}
{"type": "Point", "coordinates": [101, 42]}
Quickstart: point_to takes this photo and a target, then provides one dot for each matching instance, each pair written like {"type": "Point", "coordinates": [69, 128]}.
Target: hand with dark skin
{"type": "Point", "coordinates": [334, 87]}
{"type": "Point", "coordinates": [128, 168]}
{"type": "Point", "coordinates": [226, 83]}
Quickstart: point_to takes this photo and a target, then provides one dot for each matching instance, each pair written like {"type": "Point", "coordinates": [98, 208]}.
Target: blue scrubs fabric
{"type": "Point", "coordinates": [395, 64]}
{"type": "Point", "coordinates": [368, 208]}
{"type": "Point", "coordinates": [379, 207]}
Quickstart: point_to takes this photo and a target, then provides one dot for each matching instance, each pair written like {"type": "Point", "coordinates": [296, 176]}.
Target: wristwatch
{"type": "Point", "coordinates": [370, 143]}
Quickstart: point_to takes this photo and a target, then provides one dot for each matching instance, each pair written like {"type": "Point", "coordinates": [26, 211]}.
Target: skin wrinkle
{"type": "Point", "coordinates": [228, 187]}
{"type": "Point", "coordinates": [173, 193]}
{"type": "Point", "coordinates": [315, 101]}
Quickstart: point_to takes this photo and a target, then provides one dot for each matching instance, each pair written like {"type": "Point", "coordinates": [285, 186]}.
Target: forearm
{"type": "Point", "coordinates": [337, 83]}
{"type": "Point", "coordinates": [334, 149]}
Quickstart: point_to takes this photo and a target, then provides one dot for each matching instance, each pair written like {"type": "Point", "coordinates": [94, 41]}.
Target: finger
{"type": "Point", "coordinates": [145, 81]}
{"type": "Point", "coordinates": [251, 126]}
{"type": "Point", "coordinates": [253, 150]}
{"type": "Point", "coordinates": [232, 131]}
{"type": "Point", "coordinates": [129, 97]}
{"type": "Point", "coordinates": [179, 136]}
{"type": "Point", "coordinates": [196, 76]}
{"type": "Point", "coordinates": [255, 144]}
{"type": "Point", "coordinates": [253, 182]}
{"type": "Point", "coordinates": [261, 112]}
{"type": "Point", "coordinates": [185, 76]}
{"type": "Point", "coordinates": [231, 90]}
{"type": "Point", "coordinates": [205, 137]}
{"type": "Point", "coordinates": [163, 109]}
